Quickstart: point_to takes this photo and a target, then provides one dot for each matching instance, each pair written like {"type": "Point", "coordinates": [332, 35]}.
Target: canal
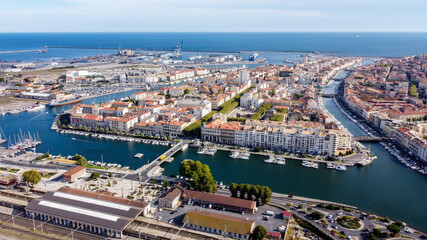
{"type": "Point", "coordinates": [385, 187]}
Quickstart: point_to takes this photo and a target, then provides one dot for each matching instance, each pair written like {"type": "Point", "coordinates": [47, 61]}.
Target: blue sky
{"type": "Point", "coordinates": [213, 16]}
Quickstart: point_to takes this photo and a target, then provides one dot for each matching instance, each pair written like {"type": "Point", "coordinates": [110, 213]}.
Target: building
{"type": "Point", "coordinates": [97, 213]}
{"type": "Point", "coordinates": [233, 227]}
{"type": "Point", "coordinates": [74, 174]}
{"type": "Point", "coordinates": [7, 181]}
{"type": "Point", "coordinates": [171, 198]}
{"type": "Point", "coordinates": [286, 215]}
{"type": "Point", "coordinates": [220, 201]}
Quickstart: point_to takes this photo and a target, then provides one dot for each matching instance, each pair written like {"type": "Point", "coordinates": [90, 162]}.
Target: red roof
{"type": "Point", "coordinates": [286, 213]}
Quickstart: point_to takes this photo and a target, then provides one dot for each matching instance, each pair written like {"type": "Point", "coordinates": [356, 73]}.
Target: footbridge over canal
{"type": "Point", "coordinates": [367, 139]}
{"type": "Point", "coordinates": [142, 173]}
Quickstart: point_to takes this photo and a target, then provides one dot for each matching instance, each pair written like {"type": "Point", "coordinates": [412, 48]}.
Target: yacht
{"type": "Point", "coordinates": [281, 161]}
{"type": "Point", "coordinates": [306, 164]}
{"type": "Point", "coordinates": [315, 165]}
{"type": "Point", "coordinates": [271, 159]}
{"type": "Point", "coordinates": [36, 108]}
{"type": "Point", "coordinates": [341, 168]}
{"type": "Point", "coordinates": [234, 154]}
{"type": "Point", "coordinates": [211, 151]}
{"type": "Point", "coordinates": [330, 166]}
{"type": "Point", "coordinates": [201, 150]}
{"type": "Point", "coordinates": [245, 155]}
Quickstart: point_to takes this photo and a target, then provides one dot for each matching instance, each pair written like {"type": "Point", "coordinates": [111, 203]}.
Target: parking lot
{"type": "Point", "coordinates": [272, 224]}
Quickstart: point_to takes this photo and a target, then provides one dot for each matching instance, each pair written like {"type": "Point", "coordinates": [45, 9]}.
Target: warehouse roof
{"type": "Point", "coordinates": [88, 207]}
{"type": "Point", "coordinates": [218, 221]}
{"type": "Point", "coordinates": [220, 199]}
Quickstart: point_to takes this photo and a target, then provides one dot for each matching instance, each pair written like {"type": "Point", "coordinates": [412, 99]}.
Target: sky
{"type": "Point", "coordinates": [213, 16]}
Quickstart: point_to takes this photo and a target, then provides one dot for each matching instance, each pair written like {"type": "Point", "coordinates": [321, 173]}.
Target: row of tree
{"type": "Point", "coordinates": [251, 192]}
{"type": "Point", "coordinates": [261, 111]}
{"type": "Point", "coordinates": [277, 118]}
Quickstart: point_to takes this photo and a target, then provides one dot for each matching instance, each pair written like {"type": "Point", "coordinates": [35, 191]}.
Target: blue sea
{"type": "Point", "coordinates": [347, 44]}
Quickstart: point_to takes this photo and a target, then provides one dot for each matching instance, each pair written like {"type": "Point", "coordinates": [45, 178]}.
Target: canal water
{"type": "Point", "coordinates": [386, 186]}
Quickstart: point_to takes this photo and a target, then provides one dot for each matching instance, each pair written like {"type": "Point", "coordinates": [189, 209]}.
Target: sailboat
{"type": "Point", "coordinates": [3, 138]}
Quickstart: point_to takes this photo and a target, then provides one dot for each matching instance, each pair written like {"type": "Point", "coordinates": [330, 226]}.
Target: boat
{"type": "Point", "coordinates": [211, 151]}
{"type": "Point", "coordinates": [73, 138]}
{"type": "Point", "coordinates": [307, 164]}
{"type": "Point", "coordinates": [55, 103]}
{"type": "Point", "coordinates": [245, 155]}
{"type": "Point", "coordinates": [234, 154]}
{"type": "Point", "coordinates": [3, 138]}
{"type": "Point", "coordinates": [202, 150]}
{"type": "Point", "coordinates": [138, 155]}
{"type": "Point", "coordinates": [36, 108]}
{"type": "Point", "coordinates": [271, 159]}
{"type": "Point", "coordinates": [341, 168]}
{"type": "Point", "coordinates": [281, 161]}
{"type": "Point", "coordinates": [315, 165]}
{"type": "Point", "coordinates": [330, 166]}
{"type": "Point", "coordinates": [253, 57]}
{"type": "Point", "coordinates": [15, 111]}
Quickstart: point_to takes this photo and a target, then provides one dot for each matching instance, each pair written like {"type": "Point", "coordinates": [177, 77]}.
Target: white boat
{"type": "Point", "coordinates": [234, 154]}
{"type": "Point", "coordinates": [306, 164]}
{"type": "Point", "coordinates": [36, 108]}
{"type": "Point", "coordinates": [202, 150]}
{"type": "Point", "coordinates": [281, 161]}
{"type": "Point", "coordinates": [245, 155]}
{"type": "Point", "coordinates": [271, 159]}
{"type": "Point", "coordinates": [330, 166]}
{"type": "Point", "coordinates": [315, 165]}
{"type": "Point", "coordinates": [14, 111]}
{"type": "Point", "coordinates": [211, 151]}
{"type": "Point", "coordinates": [341, 168]}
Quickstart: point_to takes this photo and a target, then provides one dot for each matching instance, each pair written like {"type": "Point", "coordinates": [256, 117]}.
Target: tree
{"type": "Point", "coordinates": [186, 91]}
{"type": "Point", "coordinates": [258, 190]}
{"type": "Point", "coordinates": [95, 175]}
{"type": "Point", "coordinates": [243, 190]}
{"type": "Point", "coordinates": [251, 191]}
{"type": "Point", "coordinates": [110, 175]}
{"type": "Point", "coordinates": [265, 194]}
{"type": "Point", "coordinates": [165, 184]}
{"type": "Point", "coordinates": [234, 189]}
{"type": "Point", "coordinates": [199, 175]}
{"type": "Point", "coordinates": [81, 161]}
{"type": "Point", "coordinates": [394, 229]}
{"type": "Point", "coordinates": [260, 233]}
{"type": "Point", "coordinates": [257, 149]}
{"type": "Point", "coordinates": [377, 232]}
{"type": "Point", "coordinates": [413, 90]}
{"type": "Point", "coordinates": [31, 176]}
{"type": "Point", "coordinates": [316, 215]}
{"type": "Point", "coordinates": [2, 79]}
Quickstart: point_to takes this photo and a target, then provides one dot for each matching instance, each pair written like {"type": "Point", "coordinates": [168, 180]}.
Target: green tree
{"type": "Point", "coordinates": [234, 190]}
{"type": "Point", "coordinates": [260, 233]}
{"type": "Point", "coordinates": [199, 174]}
{"type": "Point", "coordinates": [165, 184]}
{"type": "Point", "coordinates": [31, 176]}
{"type": "Point", "coordinates": [81, 161]}
{"type": "Point", "coordinates": [377, 232]}
{"type": "Point", "coordinates": [265, 194]}
{"type": "Point", "coordinates": [153, 181]}
{"type": "Point", "coordinates": [316, 215]}
{"type": "Point", "coordinates": [110, 175]}
{"type": "Point", "coordinates": [413, 90]}
{"type": "Point", "coordinates": [394, 229]}
{"type": "Point", "coordinates": [2, 79]}
{"type": "Point", "coordinates": [95, 175]}
{"type": "Point", "coordinates": [243, 190]}
{"type": "Point", "coordinates": [186, 91]}
{"type": "Point", "coordinates": [251, 191]}
{"type": "Point", "coordinates": [258, 190]}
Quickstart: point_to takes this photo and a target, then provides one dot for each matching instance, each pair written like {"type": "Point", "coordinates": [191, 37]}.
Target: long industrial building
{"type": "Point", "coordinates": [97, 213]}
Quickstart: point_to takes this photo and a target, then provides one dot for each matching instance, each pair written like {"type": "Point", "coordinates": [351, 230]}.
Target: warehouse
{"type": "Point", "coordinates": [74, 173]}
{"type": "Point", "coordinates": [220, 201]}
{"type": "Point", "coordinates": [238, 228]}
{"type": "Point", "coordinates": [86, 211]}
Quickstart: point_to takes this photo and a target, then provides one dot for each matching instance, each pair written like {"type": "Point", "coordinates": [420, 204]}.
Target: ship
{"type": "Point", "coordinates": [36, 108]}
{"type": "Point", "coordinates": [54, 103]}
{"type": "Point", "coordinates": [253, 57]}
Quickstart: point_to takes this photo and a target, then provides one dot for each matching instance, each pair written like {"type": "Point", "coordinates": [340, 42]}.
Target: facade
{"type": "Point", "coordinates": [74, 174]}
{"type": "Point", "coordinates": [278, 137]}
{"type": "Point", "coordinates": [86, 211]}
{"type": "Point", "coordinates": [171, 198]}
{"type": "Point", "coordinates": [233, 227]}
{"type": "Point", "coordinates": [220, 201]}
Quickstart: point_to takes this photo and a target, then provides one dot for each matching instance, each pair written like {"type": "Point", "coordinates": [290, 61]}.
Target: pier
{"type": "Point", "coordinates": [24, 51]}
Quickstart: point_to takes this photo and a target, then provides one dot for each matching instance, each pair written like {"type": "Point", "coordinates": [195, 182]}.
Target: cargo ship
{"type": "Point", "coordinates": [54, 103]}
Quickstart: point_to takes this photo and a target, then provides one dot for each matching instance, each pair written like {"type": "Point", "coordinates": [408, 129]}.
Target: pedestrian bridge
{"type": "Point", "coordinates": [367, 139]}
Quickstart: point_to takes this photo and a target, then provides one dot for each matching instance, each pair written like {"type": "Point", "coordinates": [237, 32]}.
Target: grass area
{"type": "Point", "coordinates": [349, 222]}
{"type": "Point", "coordinates": [14, 170]}
{"type": "Point", "coordinates": [95, 167]}
{"type": "Point", "coordinates": [49, 175]}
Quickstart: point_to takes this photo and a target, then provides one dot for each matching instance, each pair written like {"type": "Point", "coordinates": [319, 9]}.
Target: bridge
{"type": "Point", "coordinates": [142, 172]}
{"type": "Point", "coordinates": [329, 95]}
{"type": "Point", "coordinates": [367, 139]}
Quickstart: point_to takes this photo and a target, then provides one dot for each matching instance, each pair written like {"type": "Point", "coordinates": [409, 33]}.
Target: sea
{"type": "Point", "coordinates": [344, 44]}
